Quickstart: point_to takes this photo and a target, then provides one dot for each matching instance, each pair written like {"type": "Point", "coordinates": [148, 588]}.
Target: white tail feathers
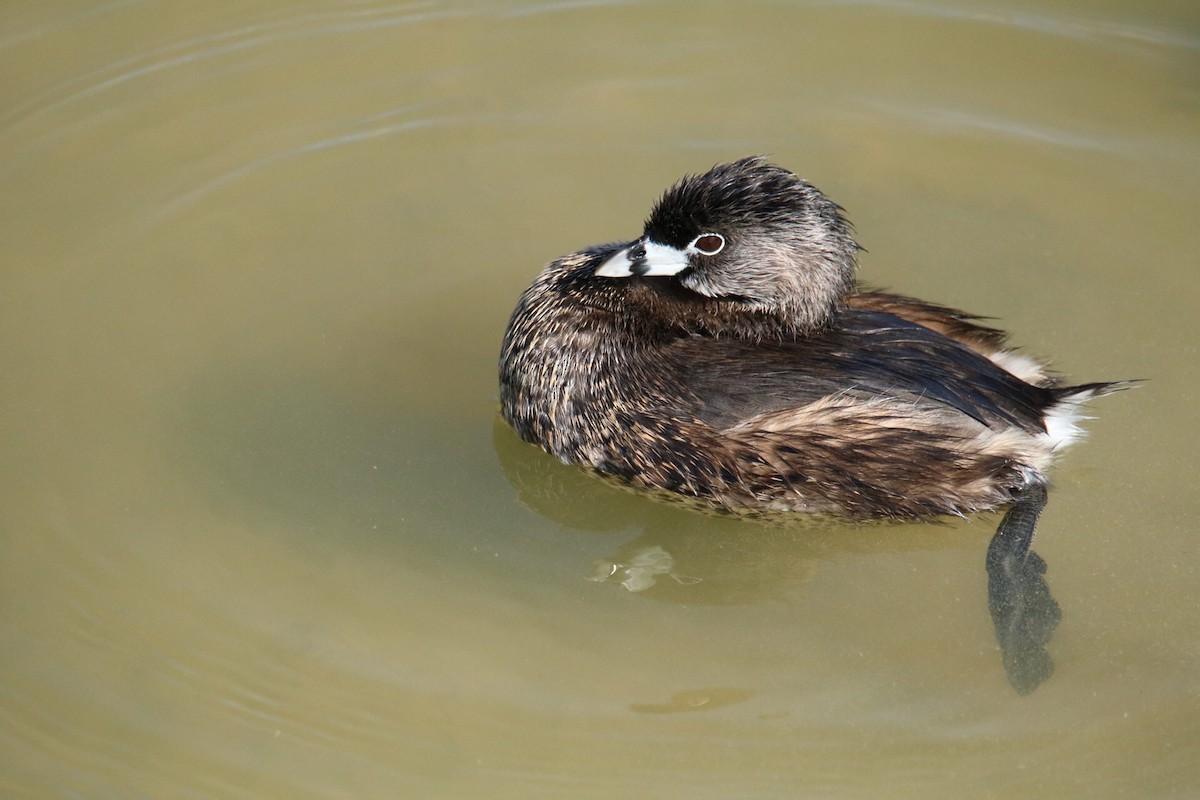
{"type": "Point", "coordinates": [1063, 418]}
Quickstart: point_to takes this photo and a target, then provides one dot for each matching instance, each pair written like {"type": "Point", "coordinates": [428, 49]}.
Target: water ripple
{"type": "Point", "coordinates": [208, 47]}
{"type": "Point", "coordinates": [358, 133]}
{"type": "Point", "coordinates": [538, 9]}
{"type": "Point", "coordinates": [953, 119]}
{"type": "Point", "coordinates": [944, 120]}
{"type": "Point", "coordinates": [1070, 28]}
{"type": "Point", "coordinates": [92, 13]}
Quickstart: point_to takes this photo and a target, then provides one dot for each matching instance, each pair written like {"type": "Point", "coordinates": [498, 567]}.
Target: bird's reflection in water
{"type": "Point", "coordinates": [678, 555]}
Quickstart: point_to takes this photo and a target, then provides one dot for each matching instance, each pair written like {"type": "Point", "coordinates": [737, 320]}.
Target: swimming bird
{"type": "Point", "coordinates": [728, 354]}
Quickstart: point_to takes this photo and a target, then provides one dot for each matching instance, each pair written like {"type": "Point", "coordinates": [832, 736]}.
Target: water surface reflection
{"type": "Point", "coordinates": [680, 557]}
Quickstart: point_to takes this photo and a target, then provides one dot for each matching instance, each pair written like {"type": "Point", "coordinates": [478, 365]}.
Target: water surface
{"type": "Point", "coordinates": [263, 536]}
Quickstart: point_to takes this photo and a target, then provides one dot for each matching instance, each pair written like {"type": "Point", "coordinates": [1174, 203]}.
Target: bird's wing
{"type": "Point", "coordinates": [866, 355]}
{"type": "Point", "coordinates": [958, 325]}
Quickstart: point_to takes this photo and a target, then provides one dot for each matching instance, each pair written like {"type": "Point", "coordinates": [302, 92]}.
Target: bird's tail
{"type": "Point", "coordinates": [1066, 412]}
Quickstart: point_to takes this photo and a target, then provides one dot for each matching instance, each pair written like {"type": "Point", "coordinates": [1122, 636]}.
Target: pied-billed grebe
{"type": "Point", "coordinates": [727, 354]}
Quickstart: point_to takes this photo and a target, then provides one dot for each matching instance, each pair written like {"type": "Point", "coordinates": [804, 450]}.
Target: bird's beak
{"type": "Point", "coordinates": [644, 257]}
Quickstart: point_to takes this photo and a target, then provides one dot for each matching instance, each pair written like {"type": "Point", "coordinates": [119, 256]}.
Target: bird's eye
{"type": "Point", "coordinates": [708, 244]}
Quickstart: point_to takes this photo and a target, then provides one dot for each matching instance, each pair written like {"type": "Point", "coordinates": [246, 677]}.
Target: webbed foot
{"type": "Point", "coordinates": [1023, 612]}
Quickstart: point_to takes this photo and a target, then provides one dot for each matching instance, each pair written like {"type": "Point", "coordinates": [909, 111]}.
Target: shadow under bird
{"type": "Point", "coordinates": [727, 354]}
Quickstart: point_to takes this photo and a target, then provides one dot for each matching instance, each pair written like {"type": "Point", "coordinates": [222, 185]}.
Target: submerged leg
{"type": "Point", "coordinates": [1023, 612]}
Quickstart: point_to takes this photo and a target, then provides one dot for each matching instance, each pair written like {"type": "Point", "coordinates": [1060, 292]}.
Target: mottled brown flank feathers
{"type": "Point", "coordinates": [759, 380]}
{"type": "Point", "coordinates": [868, 453]}
{"type": "Point", "coordinates": [874, 460]}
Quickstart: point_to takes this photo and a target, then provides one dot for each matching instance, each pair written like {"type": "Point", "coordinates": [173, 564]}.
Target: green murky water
{"type": "Point", "coordinates": [262, 536]}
